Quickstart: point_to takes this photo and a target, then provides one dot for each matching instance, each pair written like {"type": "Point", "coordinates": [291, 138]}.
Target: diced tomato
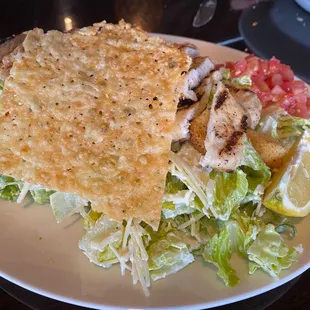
{"type": "Point", "coordinates": [262, 68]}
{"type": "Point", "coordinates": [252, 65]}
{"type": "Point", "coordinates": [298, 87]}
{"type": "Point", "coordinates": [274, 66]}
{"type": "Point", "coordinates": [287, 102]}
{"type": "Point", "coordinates": [286, 73]}
{"type": "Point", "coordinates": [277, 90]}
{"type": "Point", "coordinates": [239, 68]}
{"type": "Point", "coordinates": [274, 82]}
{"type": "Point", "coordinates": [277, 79]}
{"type": "Point", "coordinates": [261, 84]}
{"type": "Point", "coordinates": [230, 65]}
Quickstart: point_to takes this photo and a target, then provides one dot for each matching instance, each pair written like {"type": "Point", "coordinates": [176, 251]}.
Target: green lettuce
{"type": "Point", "coordinates": [185, 166]}
{"type": "Point", "coordinates": [9, 188]}
{"type": "Point", "coordinates": [291, 126]}
{"type": "Point", "coordinates": [218, 252]}
{"type": "Point", "coordinates": [269, 252]}
{"type": "Point", "coordinates": [168, 255]}
{"type": "Point", "coordinates": [95, 243]}
{"type": "Point", "coordinates": [252, 238]}
{"type": "Point", "coordinates": [173, 184]}
{"type": "Point", "coordinates": [41, 195]}
{"type": "Point", "coordinates": [177, 198]}
{"type": "Point", "coordinates": [230, 190]}
{"type": "Point", "coordinates": [64, 204]}
{"type": "Point", "coordinates": [258, 174]}
{"type": "Point", "coordinates": [89, 218]}
{"type": "Point", "coordinates": [239, 82]}
{"type": "Point", "coordinates": [282, 126]}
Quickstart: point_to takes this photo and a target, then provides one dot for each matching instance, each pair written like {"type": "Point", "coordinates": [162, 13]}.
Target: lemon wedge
{"type": "Point", "coordinates": [289, 190]}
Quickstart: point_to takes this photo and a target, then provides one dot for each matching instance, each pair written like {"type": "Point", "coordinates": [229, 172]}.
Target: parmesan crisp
{"type": "Point", "coordinates": [91, 112]}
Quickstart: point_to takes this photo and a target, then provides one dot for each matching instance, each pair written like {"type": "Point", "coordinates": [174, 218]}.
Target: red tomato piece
{"type": "Point", "coordinates": [276, 79]}
{"type": "Point", "coordinates": [239, 68]}
{"type": "Point", "coordinates": [277, 90]}
{"type": "Point", "coordinates": [286, 73]}
{"type": "Point", "coordinates": [274, 82]}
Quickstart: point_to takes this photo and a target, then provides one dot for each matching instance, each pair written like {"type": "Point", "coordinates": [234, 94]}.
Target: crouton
{"type": "Point", "coordinates": [198, 131]}
{"type": "Point", "coordinates": [270, 150]}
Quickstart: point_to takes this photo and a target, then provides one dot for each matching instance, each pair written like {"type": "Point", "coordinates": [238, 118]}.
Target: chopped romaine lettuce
{"type": "Point", "coordinates": [41, 195]}
{"type": "Point", "coordinates": [181, 202]}
{"type": "Point", "coordinates": [10, 192]}
{"type": "Point", "coordinates": [95, 243]}
{"type": "Point", "coordinates": [230, 190]}
{"type": "Point", "coordinates": [65, 204]}
{"type": "Point", "coordinates": [173, 184]}
{"type": "Point", "coordinates": [168, 255]}
{"type": "Point", "coordinates": [239, 82]}
{"type": "Point", "coordinates": [171, 210]}
{"type": "Point", "coordinates": [185, 166]}
{"type": "Point", "coordinates": [9, 188]}
{"type": "Point", "coordinates": [243, 81]}
{"type": "Point", "coordinates": [291, 126]}
{"type": "Point", "coordinates": [258, 174]}
{"type": "Point", "coordinates": [282, 126]}
{"type": "Point", "coordinates": [218, 252]}
{"type": "Point", "coordinates": [269, 252]}
{"type": "Point", "coordinates": [89, 218]}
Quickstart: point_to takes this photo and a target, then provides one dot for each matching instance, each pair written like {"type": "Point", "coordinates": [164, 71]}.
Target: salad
{"type": "Point", "coordinates": [208, 213]}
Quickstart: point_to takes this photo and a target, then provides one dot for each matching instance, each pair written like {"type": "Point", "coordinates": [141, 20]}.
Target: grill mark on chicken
{"type": "Point", "coordinates": [244, 123]}
{"type": "Point", "coordinates": [232, 141]}
{"type": "Point", "coordinates": [184, 103]}
{"type": "Point", "coordinates": [221, 99]}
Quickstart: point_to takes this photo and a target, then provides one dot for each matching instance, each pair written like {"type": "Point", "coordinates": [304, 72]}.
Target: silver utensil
{"type": "Point", "coordinates": [205, 13]}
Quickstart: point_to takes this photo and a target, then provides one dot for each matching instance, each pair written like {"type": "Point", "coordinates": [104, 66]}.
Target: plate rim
{"type": "Point", "coordinates": [206, 305]}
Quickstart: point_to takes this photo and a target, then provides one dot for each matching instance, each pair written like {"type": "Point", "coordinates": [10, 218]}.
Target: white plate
{"type": "Point", "coordinates": [44, 257]}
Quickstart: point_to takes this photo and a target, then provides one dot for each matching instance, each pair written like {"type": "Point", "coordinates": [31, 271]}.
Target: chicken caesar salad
{"type": "Point", "coordinates": [238, 173]}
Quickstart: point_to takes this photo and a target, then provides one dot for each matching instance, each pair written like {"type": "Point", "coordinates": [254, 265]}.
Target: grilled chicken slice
{"type": "Point", "coordinates": [201, 67]}
{"type": "Point", "coordinates": [250, 103]}
{"type": "Point", "coordinates": [198, 126]}
{"type": "Point", "coordinates": [183, 118]}
{"type": "Point", "coordinates": [191, 111]}
{"type": "Point", "coordinates": [225, 132]}
{"type": "Point", "coordinates": [9, 50]}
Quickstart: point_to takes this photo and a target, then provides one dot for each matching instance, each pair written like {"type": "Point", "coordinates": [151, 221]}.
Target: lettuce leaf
{"type": "Point", "coordinates": [9, 188]}
{"type": "Point", "coordinates": [270, 253]}
{"type": "Point", "coordinates": [282, 126]}
{"type": "Point", "coordinates": [89, 218]}
{"type": "Point", "coordinates": [239, 82]}
{"type": "Point", "coordinates": [252, 238]}
{"type": "Point", "coordinates": [41, 195]}
{"type": "Point", "coordinates": [291, 126]}
{"type": "Point", "coordinates": [230, 190]}
{"type": "Point", "coordinates": [185, 166]}
{"type": "Point", "coordinates": [258, 174]}
{"type": "Point", "coordinates": [64, 205]}
{"type": "Point", "coordinates": [168, 255]}
{"type": "Point", "coordinates": [173, 184]}
{"type": "Point", "coordinates": [218, 252]}
{"type": "Point", "coordinates": [95, 243]}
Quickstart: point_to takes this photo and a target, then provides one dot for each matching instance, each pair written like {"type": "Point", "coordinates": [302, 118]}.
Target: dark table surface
{"type": "Point", "coordinates": [161, 16]}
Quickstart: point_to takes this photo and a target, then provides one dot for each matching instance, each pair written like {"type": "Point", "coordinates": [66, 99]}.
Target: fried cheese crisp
{"type": "Point", "coordinates": [92, 112]}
